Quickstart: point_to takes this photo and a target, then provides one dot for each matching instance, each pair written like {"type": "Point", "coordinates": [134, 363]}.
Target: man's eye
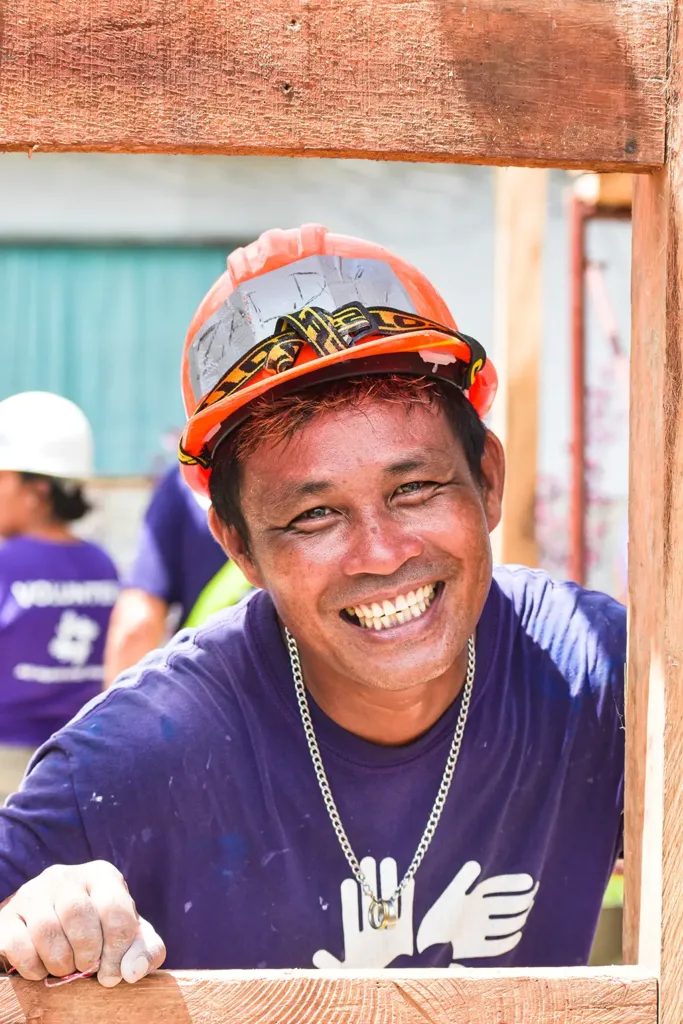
{"type": "Point", "coordinates": [414, 487]}
{"type": "Point", "coordinates": [311, 514]}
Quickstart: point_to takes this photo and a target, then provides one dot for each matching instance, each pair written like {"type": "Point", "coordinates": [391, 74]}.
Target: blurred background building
{"type": "Point", "coordinates": [103, 259]}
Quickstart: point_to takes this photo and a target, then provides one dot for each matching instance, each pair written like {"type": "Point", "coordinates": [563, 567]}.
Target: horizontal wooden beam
{"type": "Point", "coordinates": [288, 997]}
{"type": "Point", "coordinates": [573, 83]}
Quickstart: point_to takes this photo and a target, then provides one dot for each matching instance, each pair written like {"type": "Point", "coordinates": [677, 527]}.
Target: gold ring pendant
{"type": "Point", "coordinates": [382, 914]}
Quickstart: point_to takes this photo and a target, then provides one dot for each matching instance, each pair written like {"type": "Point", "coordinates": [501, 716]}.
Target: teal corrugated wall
{"type": "Point", "coordinates": [104, 326]}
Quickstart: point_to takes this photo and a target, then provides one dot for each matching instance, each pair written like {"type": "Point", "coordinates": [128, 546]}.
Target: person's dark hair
{"type": "Point", "coordinates": [66, 497]}
{"type": "Point", "coordinates": [277, 418]}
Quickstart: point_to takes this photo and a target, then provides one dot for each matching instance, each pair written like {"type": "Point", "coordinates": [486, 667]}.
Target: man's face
{"type": "Point", "coordinates": [371, 536]}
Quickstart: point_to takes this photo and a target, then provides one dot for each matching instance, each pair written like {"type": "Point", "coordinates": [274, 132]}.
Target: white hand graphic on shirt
{"type": "Point", "coordinates": [364, 946]}
{"type": "Point", "coordinates": [487, 921]}
{"type": "Point", "coordinates": [74, 638]}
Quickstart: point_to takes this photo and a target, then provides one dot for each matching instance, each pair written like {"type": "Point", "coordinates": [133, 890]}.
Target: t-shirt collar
{"type": "Point", "coordinates": [262, 623]}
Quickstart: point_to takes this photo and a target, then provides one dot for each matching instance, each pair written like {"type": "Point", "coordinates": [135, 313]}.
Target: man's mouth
{"type": "Point", "coordinates": [400, 610]}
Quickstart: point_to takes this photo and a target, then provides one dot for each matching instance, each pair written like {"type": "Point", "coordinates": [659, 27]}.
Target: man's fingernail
{"type": "Point", "coordinates": [140, 968]}
{"type": "Point", "coordinates": [108, 980]}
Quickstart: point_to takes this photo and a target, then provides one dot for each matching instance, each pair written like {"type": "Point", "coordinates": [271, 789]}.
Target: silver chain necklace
{"type": "Point", "coordinates": [381, 913]}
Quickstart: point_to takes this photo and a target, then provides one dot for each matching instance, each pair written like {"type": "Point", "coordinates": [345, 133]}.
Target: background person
{"type": "Point", "coordinates": [178, 568]}
{"type": "Point", "coordinates": [56, 591]}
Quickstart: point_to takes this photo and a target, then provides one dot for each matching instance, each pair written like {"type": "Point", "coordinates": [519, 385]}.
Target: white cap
{"type": "Point", "coordinates": [45, 433]}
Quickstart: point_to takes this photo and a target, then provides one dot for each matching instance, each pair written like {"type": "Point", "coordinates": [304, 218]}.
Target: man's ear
{"type": "Point", "coordinates": [235, 548]}
{"type": "Point", "coordinates": [493, 473]}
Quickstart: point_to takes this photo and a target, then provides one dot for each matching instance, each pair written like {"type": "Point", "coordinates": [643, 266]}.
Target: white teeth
{"type": "Point", "coordinates": [402, 609]}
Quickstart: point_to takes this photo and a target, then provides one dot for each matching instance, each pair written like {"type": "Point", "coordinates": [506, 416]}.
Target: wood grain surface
{"type": "Point", "coordinates": [655, 792]}
{"type": "Point", "coordinates": [646, 574]}
{"type": "Point", "coordinates": [309, 997]}
{"type": "Point", "coordinates": [543, 82]}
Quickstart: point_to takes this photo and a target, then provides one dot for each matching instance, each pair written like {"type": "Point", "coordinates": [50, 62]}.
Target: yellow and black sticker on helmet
{"type": "Point", "coordinates": [326, 333]}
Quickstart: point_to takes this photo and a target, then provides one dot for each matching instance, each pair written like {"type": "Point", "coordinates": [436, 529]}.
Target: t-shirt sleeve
{"type": "Point", "coordinates": [598, 627]}
{"type": "Point", "coordinates": [41, 824]}
{"type": "Point", "coordinates": [583, 633]}
{"type": "Point", "coordinates": [7, 602]}
{"type": "Point", "coordinates": [109, 566]}
{"type": "Point", "coordinates": [155, 568]}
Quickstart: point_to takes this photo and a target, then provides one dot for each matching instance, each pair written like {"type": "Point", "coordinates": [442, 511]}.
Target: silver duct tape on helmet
{"type": "Point", "coordinates": [250, 314]}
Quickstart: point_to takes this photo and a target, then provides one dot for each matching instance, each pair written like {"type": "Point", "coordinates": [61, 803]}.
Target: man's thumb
{"type": "Point", "coordinates": [466, 876]}
{"type": "Point", "coordinates": [146, 952]}
{"type": "Point", "coordinates": [437, 924]}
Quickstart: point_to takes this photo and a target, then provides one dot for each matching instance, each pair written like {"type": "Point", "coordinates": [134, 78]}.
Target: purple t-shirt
{"type": "Point", "coordinates": [177, 555]}
{"type": "Point", "coordinates": [193, 776]}
{"type": "Point", "coordinates": [55, 603]}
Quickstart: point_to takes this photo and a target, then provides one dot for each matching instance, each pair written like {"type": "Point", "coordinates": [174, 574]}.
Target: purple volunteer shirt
{"type": "Point", "coordinates": [55, 603]}
{"type": "Point", "coordinates": [193, 776]}
{"type": "Point", "coordinates": [177, 555]}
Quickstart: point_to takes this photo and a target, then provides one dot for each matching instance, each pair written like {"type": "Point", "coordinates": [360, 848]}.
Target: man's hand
{"type": "Point", "coordinates": [69, 918]}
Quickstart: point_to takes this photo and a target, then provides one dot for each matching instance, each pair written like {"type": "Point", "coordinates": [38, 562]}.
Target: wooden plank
{"type": "Point", "coordinates": [290, 997]}
{"type": "Point", "coordinates": [646, 572]}
{"type": "Point", "coordinates": [656, 550]}
{"type": "Point", "coordinates": [575, 84]}
{"type": "Point", "coordinates": [614, 191]}
{"type": "Point", "coordinates": [521, 202]}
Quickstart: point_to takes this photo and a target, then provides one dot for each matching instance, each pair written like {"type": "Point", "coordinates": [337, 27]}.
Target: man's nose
{"type": "Point", "coordinates": [379, 545]}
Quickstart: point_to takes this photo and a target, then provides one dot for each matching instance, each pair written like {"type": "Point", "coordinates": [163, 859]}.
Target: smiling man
{"type": "Point", "coordinates": [388, 754]}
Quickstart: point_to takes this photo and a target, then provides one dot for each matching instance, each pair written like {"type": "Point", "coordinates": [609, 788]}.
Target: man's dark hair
{"type": "Point", "coordinates": [277, 418]}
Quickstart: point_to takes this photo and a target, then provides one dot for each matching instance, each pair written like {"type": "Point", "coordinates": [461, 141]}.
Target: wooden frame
{"type": "Point", "coordinates": [580, 83]}
{"type": "Point", "coordinates": [532, 81]}
{"type": "Point", "coordinates": [628, 996]}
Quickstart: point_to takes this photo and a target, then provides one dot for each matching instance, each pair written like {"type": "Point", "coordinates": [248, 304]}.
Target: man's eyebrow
{"type": "Point", "coordinates": [406, 466]}
{"type": "Point", "coordinates": [296, 491]}
{"type": "Point", "coordinates": [410, 465]}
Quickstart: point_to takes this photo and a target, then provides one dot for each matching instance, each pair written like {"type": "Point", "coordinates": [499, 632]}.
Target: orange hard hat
{"type": "Point", "coordinates": [302, 306]}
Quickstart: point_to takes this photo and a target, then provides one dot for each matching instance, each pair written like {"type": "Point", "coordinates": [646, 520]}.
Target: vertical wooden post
{"type": "Point", "coordinates": [654, 797]}
{"type": "Point", "coordinates": [646, 570]}
{"type": "Point", "coordinates": [521, 200]}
